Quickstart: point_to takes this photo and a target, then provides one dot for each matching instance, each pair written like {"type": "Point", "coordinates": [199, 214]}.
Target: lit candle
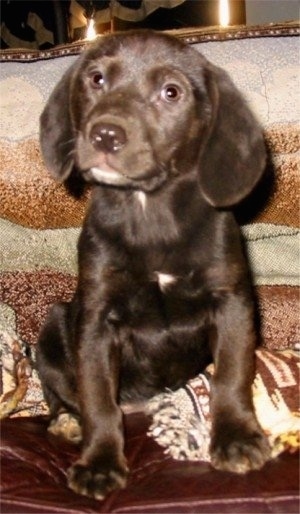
{"type": "Point", "coordinates": [224, 13]}
{"type": "Point", "coordinates": [90, 31]}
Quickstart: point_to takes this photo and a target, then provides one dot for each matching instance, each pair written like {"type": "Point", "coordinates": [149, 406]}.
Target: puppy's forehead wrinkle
{"type": "Point", "coordinates": [136, 53]}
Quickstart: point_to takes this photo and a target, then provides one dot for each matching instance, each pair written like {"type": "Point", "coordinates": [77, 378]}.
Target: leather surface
{"type": "Point", "coordinates": [34, 466]}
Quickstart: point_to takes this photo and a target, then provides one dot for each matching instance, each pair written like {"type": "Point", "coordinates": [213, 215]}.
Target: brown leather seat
{"type": "Point", "coordinates": [34, 468]}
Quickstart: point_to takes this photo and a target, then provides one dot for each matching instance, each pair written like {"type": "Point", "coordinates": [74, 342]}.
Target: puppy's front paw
{"type": "Point", "coordinates": [96, 480]}
{"type": "Point", "coordinates": [239, 448]}
{"type": "Point", "coordinates": [66, 425]}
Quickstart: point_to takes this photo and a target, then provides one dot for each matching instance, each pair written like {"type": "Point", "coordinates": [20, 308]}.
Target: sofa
{"type": "Point", "coordinates": [40, 221]}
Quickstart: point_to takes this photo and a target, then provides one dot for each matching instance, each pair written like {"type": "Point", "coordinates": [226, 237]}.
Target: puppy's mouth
{"type": "Point", "coordinates": [121, 168]}
{"type": "Point", "coordinates": [105, 174]}
{"type": "Point", "coordinates": [108, 177]}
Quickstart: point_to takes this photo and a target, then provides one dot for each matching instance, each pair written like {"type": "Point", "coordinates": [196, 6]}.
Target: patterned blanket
{"type": "Point", "coordinates": [181, 419]}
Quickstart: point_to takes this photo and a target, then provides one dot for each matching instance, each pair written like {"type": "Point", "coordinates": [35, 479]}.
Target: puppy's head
{"type": "Point", "coordinates": [140, 108]}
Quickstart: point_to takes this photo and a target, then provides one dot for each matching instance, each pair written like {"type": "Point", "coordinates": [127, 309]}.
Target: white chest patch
{"type": "Point", "coordinates": [142, 199]}
{"type": "Point", "coordinates": [165, 280]}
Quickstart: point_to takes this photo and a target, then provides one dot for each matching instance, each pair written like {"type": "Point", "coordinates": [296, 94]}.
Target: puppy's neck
{"type": "Point", "coordinates": [141, 197]}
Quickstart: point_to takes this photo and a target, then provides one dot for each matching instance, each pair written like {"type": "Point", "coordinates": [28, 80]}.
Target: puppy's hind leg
{"type": "Point", "coordinates": [67, 426]}
{"type": "Point", "coordinates": [56, 368]}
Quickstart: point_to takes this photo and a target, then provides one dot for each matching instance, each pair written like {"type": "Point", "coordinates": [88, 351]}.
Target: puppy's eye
{"type": "Point", "coordinates": [171, 93]}
{"type": "Point", "coordinates": [97, 80]}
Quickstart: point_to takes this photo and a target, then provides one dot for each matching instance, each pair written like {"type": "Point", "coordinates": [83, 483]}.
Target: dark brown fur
{"type": "Point", "coordinates": [163, 284]}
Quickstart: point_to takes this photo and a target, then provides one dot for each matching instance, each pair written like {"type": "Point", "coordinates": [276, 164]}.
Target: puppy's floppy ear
{"type": "Point", "coordinates": [234, 156]}
{"type": "Point", "coordinates": [56, 134]}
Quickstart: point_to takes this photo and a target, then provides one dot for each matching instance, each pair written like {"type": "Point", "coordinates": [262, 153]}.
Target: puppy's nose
{"type": "Point", "coordinates": [107, 137]}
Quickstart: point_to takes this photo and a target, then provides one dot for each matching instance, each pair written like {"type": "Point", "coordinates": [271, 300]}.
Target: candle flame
{"type": "Point", "coordinates": [224, 13]}
{"type": "Point", "coordinates": [90, 31]}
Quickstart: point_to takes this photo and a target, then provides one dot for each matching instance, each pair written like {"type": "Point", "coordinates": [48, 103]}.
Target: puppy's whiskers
{"type": "Point", "coordinates": [68, 142]}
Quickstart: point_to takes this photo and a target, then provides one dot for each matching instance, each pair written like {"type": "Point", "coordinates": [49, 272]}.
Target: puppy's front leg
{"type": "Point", "coordinates": [238, 443]}
{"type": "Point", "coordinates": [102, 466]}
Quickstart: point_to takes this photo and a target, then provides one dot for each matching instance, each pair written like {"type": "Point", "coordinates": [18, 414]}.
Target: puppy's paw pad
{"type": "Point", "coordinates": [96, 481]}
{"type": "Point", "coordinates": [66, 425]}
{"type": "Point", "coordinates": [243, 454]}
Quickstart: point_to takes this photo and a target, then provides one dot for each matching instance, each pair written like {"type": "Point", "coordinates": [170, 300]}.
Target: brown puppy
{"type": "Point", "coordinates": [163, 285]}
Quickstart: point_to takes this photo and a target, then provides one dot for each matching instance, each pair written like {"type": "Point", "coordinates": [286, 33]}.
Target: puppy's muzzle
{"type": "Point", "coordinates": [108, 137]}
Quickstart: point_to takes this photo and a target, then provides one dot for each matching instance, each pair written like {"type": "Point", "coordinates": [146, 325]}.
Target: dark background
{"type": "Point", "coordinates": [55, 16]}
